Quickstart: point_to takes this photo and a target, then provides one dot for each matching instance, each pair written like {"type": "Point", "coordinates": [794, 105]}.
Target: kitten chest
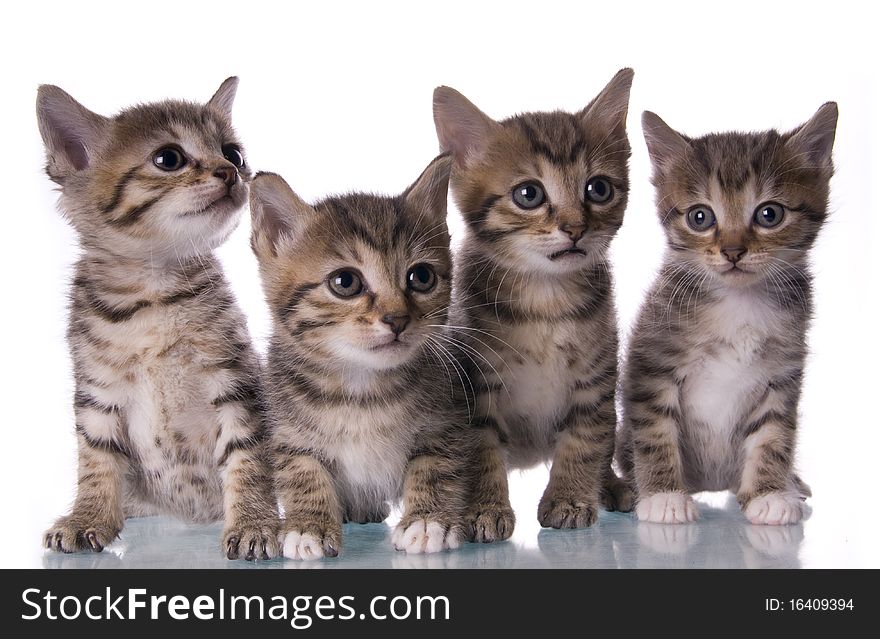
{"type": "Point", "coordinates": [539, 370]}
{"type": "Point", "coordinates": [164, 390]}
{"type": "Point", "coordinates": [725, 374]}
{"type": "Point", "coordinates": [370, 450]}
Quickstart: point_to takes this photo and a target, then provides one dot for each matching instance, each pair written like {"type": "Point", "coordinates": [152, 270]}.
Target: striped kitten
{"type": "Point", "coordinates": [363, 409]}
{"type": "Point", "coordinates": [716, 359]}
{"type": "Point", "coordinates": [168, 408]}
{"type": "Point", "coordinates": [542, 195]}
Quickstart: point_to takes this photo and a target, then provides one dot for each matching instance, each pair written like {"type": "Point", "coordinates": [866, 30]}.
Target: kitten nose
{"type": "Point", "coordinates": [574, 231]}
{"type": "Point", "coordinates": [733, 253]}
{"type": "Point", "coordinates": [397, 323]}
{"type": "Point", "coordinates": [227, 174]}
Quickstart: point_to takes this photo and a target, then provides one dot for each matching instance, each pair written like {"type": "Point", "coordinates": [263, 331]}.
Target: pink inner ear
{"type": "Point", "coordinates": [76, 153]}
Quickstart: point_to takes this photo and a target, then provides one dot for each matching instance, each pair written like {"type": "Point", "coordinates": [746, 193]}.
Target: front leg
{"type": "Point", "coordinates": [769, 492]}
{"type": "Point", "coordinates": [312, 526]}
{"type": "Point", "coordinates": [653, 422]}
{"type": "Point", "coordinates": [434, 493]}
{"type": "Point", "coordinates": [249, 505]}
{"type": "Point", "coordinates": [97, 517]}
{"type": "Point", "coordinates": [489, 516]}
{"type": "Point", "coordinates": [582, 461]}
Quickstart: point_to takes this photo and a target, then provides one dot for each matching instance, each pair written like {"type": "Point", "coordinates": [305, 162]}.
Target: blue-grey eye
{"type": "Point", "coordinates": [233, 153]}
{"type": "Point", "coordinates": [528, 195]}
{"type": "Point", "coordinates": [700, 218]}
{"type": "Point", "coordinates": [599, 190]}
{"type": "Point", "coordinates": [169, 158]}
{"type": "Point", "coordinates": [769, 215]}
{"type": "Point", "coordinates": [345, 282]}
{"type": "Point", "coordinates": [421, 278]}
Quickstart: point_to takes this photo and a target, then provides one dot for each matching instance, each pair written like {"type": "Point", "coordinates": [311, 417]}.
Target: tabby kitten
{"type": "Point", "coordinates": [715, 364]}
{"type": "Point", "coordinates": [362, 404]}
{"type": "Point", "coordinates": [542, 195]}
{"type": "Point", "coordinates": [168, 405]}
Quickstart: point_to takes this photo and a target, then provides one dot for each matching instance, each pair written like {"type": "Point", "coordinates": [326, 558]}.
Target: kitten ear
{"type": "Point", "coordinates": [71, 133]}
{"type": "Point", "coordinates": [429, 192]}
{"type": "Point", "coordinates": [815, 138]}
{"type": "Point", "coordinates": [224, 97]}
{"type": "Point", "coordinates": [277, 214]}
{"type": "Point", "coordinates": [608, 109]}
{"type": "Point", "coordinates": [463, 130]}
{"type": "Point", "coordinates": [664, 143]}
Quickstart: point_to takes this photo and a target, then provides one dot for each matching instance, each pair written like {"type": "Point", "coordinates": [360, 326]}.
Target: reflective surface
{"type": "Point", "coordinates": [722, 538]}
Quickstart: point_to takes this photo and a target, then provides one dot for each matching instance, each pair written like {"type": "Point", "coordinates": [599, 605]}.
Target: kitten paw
{"type": "Point", "coordinates": [310, 542]}
{"type": "Point", "coordinates": [74, 534]}
{"type": "Point", "coordinates": [667, 508]}
{"type": "Point", "coordinates": [616, 495]}
{"type": "Point", "coordinates": [775, 509]}
{"type": "Point", "coordinates": [567, 513]}
{"type": "Point", "coordinates": [425, 536]}
{"type": "Point", "coordinates": [490, 523]}
{"type": "Point", "coordinates": [250, 541]}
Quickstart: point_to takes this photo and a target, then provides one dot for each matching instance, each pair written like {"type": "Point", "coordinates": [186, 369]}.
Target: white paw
{"type": "Point", "coordinates": [775, 509]}
{"type": "Point", "coordinates": [667, 508]}
{"type": "Point", "coordinates": [302, 546]}
{"type": "Point", "coordinates": [424, 536]}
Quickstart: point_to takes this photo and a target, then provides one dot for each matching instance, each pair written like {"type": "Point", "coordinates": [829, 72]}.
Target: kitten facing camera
{"type": "Point", "coordinates": [542, 195]}
{"type": "Point", "coordinates": [367, 403]}
{"type": "Point", "coordinates": [716, 359]}
{"type": "Point", "coordinates": [168, 403]}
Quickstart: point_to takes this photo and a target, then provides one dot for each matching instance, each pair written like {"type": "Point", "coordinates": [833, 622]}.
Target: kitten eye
{"type": "Point", "coordinates": [769, 215]}
{"type": "Point", "coordinates": [599, 190]}
{"type": "Point", "coordinates": [528, 195]}
{"type": "Point", "coordinates": [701, 218]}
{"type": "Point", "coordinates": [169, 159]}
{"type": "Point", "coordinates": [232, 153]}
{"type": "Point", "coordinates": [345, 283]}
{"type": "Point", "coordinates": [421, 278]}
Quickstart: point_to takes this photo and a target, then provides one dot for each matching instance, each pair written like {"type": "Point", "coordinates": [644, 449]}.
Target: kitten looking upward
{"type": "Point", "coordinates": [168, 404]}
{"type": "Point", "coordinates": [715, 363]}
{"type": "Point", "coordinates": [542, 196]}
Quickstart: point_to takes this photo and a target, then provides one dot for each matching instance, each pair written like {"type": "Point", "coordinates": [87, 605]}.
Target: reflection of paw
{"type": "Point", "coordinates": [775, 541]}
{"type": "Point", "coordinates": [74, 533]}
{"type": "Point", "coordinates": [425, 536]}
{"type": "Point", "coordinates": [250, 541]}
{"type": "Point", "coordinates": [775, 509]}
{"type": "Point", "coordinates": [491, 523]}
{"type": "Point", "coordinates": [666, 539]}
{"type": "Point", "coordinates": [565, 512]}
{"type": "Point", "coordinates": [616, 495]}
{"type": "Point", "coordinates": [667, 508]}
{"type": "Point", "coordinates": [310, 542]}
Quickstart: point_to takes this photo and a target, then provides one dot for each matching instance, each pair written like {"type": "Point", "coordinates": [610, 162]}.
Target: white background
{"type": "Point", "coordinates": [338, 97]}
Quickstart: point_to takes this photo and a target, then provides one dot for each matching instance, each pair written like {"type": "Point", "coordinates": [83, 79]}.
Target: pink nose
{"type": "Point", "coordinates": [574, 231]}
{"type": "Point", "coordinates": [227, 174]}
{"type": "Point", "coordinates": [397, 323]}
{"type": "Point", "coordinates": [733, 253]}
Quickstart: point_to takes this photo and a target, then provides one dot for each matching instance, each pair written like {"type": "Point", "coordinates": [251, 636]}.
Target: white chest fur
{"type": "Point", "coordinates": [725, 373]}
{"type": "Point", "coordinates": [538, 380]}
{"type": "Point", "coordinates": [165, 389]}
{"type": "Point", "coordinates": [370, 448]}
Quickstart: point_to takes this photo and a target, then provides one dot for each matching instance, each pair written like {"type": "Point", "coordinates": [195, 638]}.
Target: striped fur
{"type": "Point", "coordinates": [168, 404]}
{"type": "Point", "coordinates": [533, 299]}
{"type": "Point", "coordinates": [717, 354]}
{"type": "Point", "coordinates": [359, 419]}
